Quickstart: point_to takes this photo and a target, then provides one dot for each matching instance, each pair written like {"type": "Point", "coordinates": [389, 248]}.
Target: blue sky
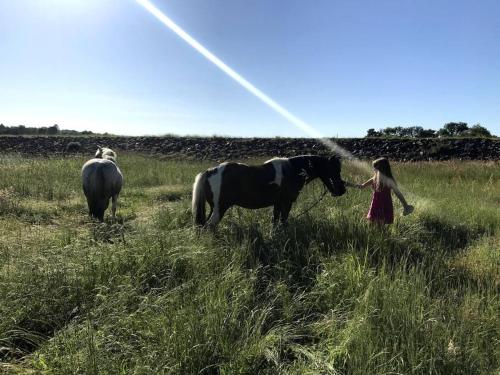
{"type": "Point", "coordinates": [342, 66]}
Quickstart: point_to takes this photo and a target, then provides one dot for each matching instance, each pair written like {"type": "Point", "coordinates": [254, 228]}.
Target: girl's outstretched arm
{"type": "Point", "coordinates": [366, 183]}
{"type": "Point", "coordinates": [407, 209]}
{"type": "Point", "coordinates": [359, 186]}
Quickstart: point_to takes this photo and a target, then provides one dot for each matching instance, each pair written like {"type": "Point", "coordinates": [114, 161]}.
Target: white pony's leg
{"type": "Point", "coordinates": [114, 201]}
{"type": "Point", "coordinates": [215, 182]}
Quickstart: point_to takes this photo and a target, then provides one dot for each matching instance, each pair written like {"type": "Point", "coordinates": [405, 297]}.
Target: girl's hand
{"type": "Point", "coordinates": [408, 209]}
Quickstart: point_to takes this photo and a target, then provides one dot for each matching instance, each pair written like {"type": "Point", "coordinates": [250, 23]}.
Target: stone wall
{"type": "Point", "coordinates": [218, 148]}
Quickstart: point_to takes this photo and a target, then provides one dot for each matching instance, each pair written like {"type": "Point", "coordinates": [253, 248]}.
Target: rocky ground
{"type": "Point", "coordinates": [219, 148]}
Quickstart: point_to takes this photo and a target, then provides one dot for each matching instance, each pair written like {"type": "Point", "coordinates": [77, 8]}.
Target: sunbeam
{"type": "Point", "coordinates": [294, 120]}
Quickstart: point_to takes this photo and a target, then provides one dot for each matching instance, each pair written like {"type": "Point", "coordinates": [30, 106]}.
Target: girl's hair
{"type": "Point", "coordinates": [382, 166]}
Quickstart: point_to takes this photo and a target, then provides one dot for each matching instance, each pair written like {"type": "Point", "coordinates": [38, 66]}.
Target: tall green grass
{"type": "Point", "coordinates": [329, 293]}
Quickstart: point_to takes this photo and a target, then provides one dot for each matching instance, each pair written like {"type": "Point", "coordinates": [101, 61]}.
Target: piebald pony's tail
{"type": "Point", "coordinates": [199, 199]}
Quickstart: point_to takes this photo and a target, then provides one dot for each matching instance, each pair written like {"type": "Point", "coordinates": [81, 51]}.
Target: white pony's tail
{"type": "Point", "coordinates": [199, 199]}
{"type": "Point", "coordinates": [94, 189]}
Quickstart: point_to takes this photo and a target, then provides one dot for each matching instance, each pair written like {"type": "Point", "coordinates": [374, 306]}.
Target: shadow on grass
{"type": "Point", "coordinates": [293, 252]}
{"type": "Point", "coordinates": [111, 230]}
{"type": "Point", "coordinates": [173, 196]}
{"type": "Point", "coordinates": [450, 237]}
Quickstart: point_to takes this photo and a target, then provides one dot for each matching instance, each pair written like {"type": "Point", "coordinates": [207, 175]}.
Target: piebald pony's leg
{"type": "Point", "coordinates": [278, 165]}
{"type": "Point", "coordinates": [215, 182]}
{"type": "Point", "coordinates": [286, 206]}
{"type": "Point", "coordinates": [276, 214]}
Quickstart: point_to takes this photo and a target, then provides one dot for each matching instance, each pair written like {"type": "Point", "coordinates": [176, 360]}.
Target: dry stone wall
{"type": "Point", "coordinates": [218, 148]}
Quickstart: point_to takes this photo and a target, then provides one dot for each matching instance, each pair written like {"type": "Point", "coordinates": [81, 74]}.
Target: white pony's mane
{"type": "Point", "coordinates": [105, 153]}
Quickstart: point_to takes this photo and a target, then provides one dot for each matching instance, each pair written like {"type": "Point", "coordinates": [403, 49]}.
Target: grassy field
{"type": "Point", "coordinates": [329, 294]}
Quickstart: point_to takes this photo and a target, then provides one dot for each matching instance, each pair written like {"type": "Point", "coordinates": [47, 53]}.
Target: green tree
{"type": "Point", "coordinates": [454, 129]}
{"type": "Point", "coordinates": [478, 131]}
{"type": "Point", "coordinates": [54, 129]}
{"type": "Point", "coordinates": [373, 133]}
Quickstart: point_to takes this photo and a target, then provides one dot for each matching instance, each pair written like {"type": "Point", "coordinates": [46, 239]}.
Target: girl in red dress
{"type": "Point", "coordinates": [381, 208]}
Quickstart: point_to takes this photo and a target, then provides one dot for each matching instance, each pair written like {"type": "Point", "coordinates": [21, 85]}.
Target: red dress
{"type": "Point", "coordinates": [381, 209]}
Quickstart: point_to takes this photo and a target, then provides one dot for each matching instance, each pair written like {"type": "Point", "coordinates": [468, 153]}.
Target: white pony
{"type": "Point", "coordinates": [101, 180]}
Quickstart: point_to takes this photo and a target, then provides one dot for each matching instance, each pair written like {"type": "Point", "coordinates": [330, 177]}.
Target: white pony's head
{"type": "Point", "coordinates": [105, 153]}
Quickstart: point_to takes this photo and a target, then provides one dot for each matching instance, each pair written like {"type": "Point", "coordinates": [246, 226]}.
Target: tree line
{"type": "Point", "coordinates": [43, 130]}
{"type": "Point", "coordinates": [451, 129]}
